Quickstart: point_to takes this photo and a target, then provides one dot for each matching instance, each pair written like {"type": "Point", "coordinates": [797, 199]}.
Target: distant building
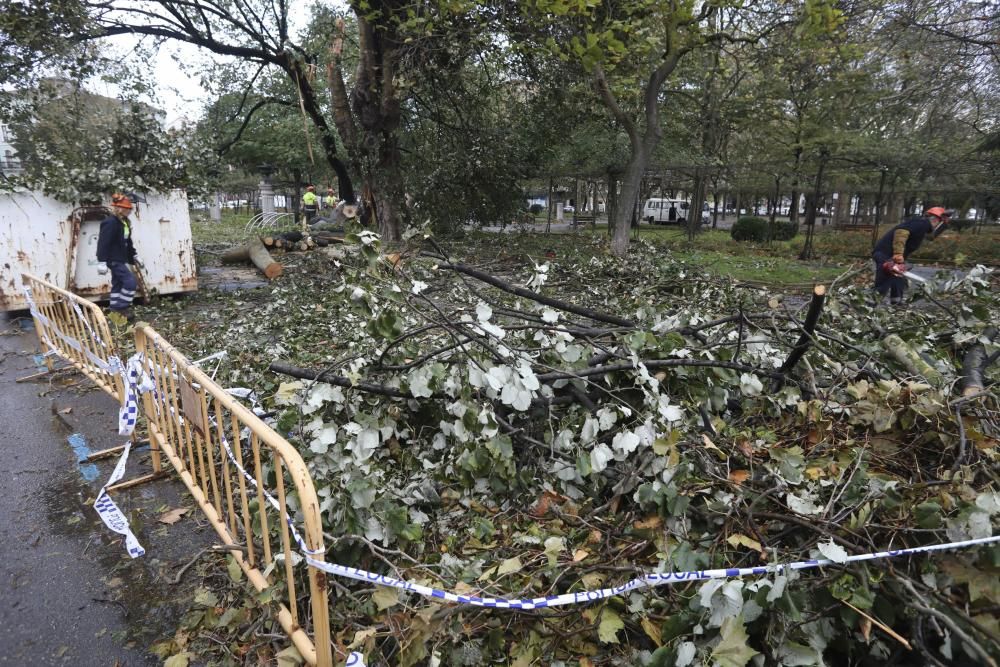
{"type": "Point", "coordinates": [9, 163]}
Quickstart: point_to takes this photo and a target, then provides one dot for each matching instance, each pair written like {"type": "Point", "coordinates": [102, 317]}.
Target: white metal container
{"type": "Point", "coordinates": [58, 242]}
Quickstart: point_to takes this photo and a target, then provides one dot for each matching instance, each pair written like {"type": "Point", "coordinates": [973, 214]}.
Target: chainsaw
{"type": "Point", "coordinates": [894, 269]}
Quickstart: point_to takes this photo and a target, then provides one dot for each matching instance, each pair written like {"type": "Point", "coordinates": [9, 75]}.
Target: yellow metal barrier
{"type": "Point", "coordinates": [194, 421]}
{"type": "Point", "coordinates": [76, 330]}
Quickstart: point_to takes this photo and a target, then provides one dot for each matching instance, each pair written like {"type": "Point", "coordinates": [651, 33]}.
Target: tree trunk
{"type": "Point", "coordinates": [631, 181]}
{"type": "Point", "coordinates": [811, 203]}
{"type": "Point", "coordinates": [697, 196]}
{"type": "Point", "coordinates": [611, 207]}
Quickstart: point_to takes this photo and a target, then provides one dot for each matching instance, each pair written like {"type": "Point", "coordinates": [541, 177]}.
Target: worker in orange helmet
{"type": "Point", "coordinates": [893, 249]}
{"type": "Point", "coordinates": [116, 250]}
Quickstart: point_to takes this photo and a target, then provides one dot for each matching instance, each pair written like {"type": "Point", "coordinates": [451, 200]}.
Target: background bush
{"type": "Point", "coordinates": [535, 209]}
{"type": "Point", "coordinates": [755, 229]}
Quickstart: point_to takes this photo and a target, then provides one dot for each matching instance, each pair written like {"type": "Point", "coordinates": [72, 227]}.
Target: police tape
{"type": "Point", "coordinates": [113, 517]}
{"type": "Point", "coordinates": [580, 597]}
{"type": "Point", "coordinates": [644, 581]}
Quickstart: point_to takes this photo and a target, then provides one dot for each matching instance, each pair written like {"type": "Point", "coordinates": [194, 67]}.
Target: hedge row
{"type": "Point", "coordinates": [755, 229]}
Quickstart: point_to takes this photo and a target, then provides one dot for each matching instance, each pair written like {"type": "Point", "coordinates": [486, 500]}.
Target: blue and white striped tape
{"type": "Point", "coordinates": [583, 597]}
{"type": "Point", "coordinates": [643, 581]}
{"type": "Point", "coordinates": [113, 517]}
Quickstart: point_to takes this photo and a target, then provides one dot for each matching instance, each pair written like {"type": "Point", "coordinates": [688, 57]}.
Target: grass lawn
{"type": "Point", "coordinates": [715, 251]}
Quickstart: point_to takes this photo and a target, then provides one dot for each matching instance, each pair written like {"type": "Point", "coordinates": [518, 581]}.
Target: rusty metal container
{"type": "Point", "coordinates": [58, 243]}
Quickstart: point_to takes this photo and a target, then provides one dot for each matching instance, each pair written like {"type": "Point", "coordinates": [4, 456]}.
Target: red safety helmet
{"type": "Point", "coordinates": [937, 212]}
{"type": "Point", "coordinates": [121, 201]}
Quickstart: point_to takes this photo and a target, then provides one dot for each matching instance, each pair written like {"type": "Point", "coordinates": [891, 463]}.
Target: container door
{"type": "Point", "coordinates": [85, 279]}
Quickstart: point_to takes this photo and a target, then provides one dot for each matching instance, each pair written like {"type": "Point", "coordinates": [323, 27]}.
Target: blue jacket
{"type": "Point", "coordinates": [906, 236]}
{"type": "Point", "coordinates": [112, 243]}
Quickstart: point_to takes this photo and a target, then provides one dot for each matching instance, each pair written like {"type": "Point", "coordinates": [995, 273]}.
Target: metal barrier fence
{"type": "Point", "coordinates": [74, 329]}
{"type": "Point", "coordinates": [227, 457]}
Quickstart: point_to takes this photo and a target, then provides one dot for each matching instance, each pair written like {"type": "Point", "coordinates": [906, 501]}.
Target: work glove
{"type": "Point", "coordinates": [894, 268]}
{"type": "Point", "coordinates": [102, 268]}
{"type": "Point", "coordinates": [898, 259]}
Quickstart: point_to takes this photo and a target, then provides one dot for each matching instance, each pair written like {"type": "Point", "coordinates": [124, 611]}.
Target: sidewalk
{"type": "Point", "coordinates": [70, 593]}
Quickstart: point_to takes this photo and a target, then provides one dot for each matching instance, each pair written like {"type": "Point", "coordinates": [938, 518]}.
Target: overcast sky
{"type": "Point", "coordinates": [180, 96]}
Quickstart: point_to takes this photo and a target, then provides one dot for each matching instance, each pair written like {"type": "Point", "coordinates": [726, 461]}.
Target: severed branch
{"type": "Point", "coordinates": [535, 296]}
{"type": "Point", "coordinates": [806, 338]}
{"type": "Point", "coordinates": [974, 365]}
{"type": "Point", "coordinates": [337, 380]}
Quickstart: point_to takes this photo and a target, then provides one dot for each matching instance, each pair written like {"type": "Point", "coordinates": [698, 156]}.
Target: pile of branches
{"type": "Point", "coordinates": [550, 419]}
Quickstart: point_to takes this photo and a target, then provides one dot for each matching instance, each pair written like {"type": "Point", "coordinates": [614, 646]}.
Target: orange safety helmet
{"type": "Point", "coordinates": [937, 212]}
{"type": "Point", "coordinates": [121, 201]}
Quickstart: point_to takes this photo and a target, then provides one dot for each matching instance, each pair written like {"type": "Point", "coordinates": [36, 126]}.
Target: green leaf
{"type": "Point", "coordinates": [234, 569]}
{"type": "Point", "coordinates": [385, 597]}
{"type": "Point", "coordinates": [179, 660]}
{"type": "Point", "coordinates": [290, 657]}
{"type": "Point", "coordinates": [509, 565]}
{"type": "Point", "coordinates": [733, 650]}
{"type": "Point", "coordinates": [553, 547]}
{"type": "Point", "coordinates": [928, 515]}
{"type": "Point", "coordinates": [205, 598]}
{"type": "Point", "coordinates": [611, 623]}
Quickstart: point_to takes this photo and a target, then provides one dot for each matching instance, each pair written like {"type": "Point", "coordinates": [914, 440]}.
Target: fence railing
{"type": "Point", "coordinates": [234, 465]}
{"type": "Point", "coordinates": [74, 329]}
{"type": "Point", "coordinates": [228, 458]}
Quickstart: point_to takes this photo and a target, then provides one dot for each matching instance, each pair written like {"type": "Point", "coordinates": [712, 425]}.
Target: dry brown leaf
{"type": "Point", "coordinates": [594, 537]}
{"type": "Point", "coordinates": [579, 555]}
{"type": "Point", "coordinates": [171, 517]}
{"type": "Point", "coordinates": [743, 444]}
{"type": "Point", "coordinates": [649, 523]}
{"type": "Point", "coordinates": [739, 476]}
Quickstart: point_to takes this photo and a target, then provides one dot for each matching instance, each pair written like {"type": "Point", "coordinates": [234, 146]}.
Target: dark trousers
{"type": "Point", "coordinates": [123, 286]}
{"type": "Point", "coordinates": [888, 283]}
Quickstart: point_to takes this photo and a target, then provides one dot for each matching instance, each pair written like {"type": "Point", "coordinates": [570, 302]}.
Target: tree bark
{"type": "Point", "coordinates": [806, 338]}
{"type": "Point", "coordinates": [262, 260]}
{"type": "Point", "coordinates": [899, 350]}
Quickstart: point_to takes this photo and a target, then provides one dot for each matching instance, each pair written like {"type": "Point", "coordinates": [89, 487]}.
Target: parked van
{"type": "Point", "coordinates": [665, 211]}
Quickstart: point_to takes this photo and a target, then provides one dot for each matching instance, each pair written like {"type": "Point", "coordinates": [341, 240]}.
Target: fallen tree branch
{"type": "Point", "coordinates": [974, 365]}
{"type": "Point", "coordinates": [535, 296]}
{"type": "Point", "coordinates": [654, 364]}
{"type": "Point", "coordinates": [807, 336]}
{"type": "Point", "coordinates": [337, 380]}
{"type": "Point", "coordinates": [899, 350]}
{"type": "Point", "coordinates": [215, 548]}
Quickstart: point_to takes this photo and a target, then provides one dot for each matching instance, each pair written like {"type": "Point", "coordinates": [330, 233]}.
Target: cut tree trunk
{"type": "Point", "coordinates": [240, 255]}
{"type": "Point", "coordinates": [974, 365]}
{"type": "Point", "coordinates": [262, 260]}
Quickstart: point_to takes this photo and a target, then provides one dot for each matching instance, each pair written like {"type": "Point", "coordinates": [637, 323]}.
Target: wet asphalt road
{"type": "Point", "coordinates": [69, 594]}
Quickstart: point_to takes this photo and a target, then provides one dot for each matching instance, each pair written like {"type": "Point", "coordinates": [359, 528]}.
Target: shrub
{"type": "Point", "coordinates": [784, 230]}
{"type": "Point", "coordinates": [755, 229]}
{"type": "Point", "coordinates": [535, 209]}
